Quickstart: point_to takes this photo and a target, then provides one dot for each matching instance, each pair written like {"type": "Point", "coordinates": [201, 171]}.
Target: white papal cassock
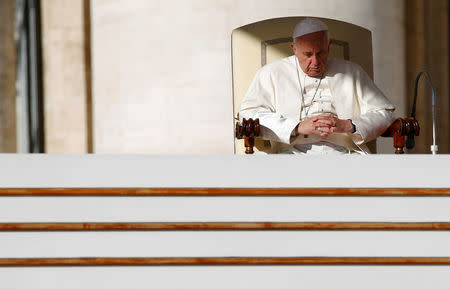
{"type": "Point", "coordinates": [345, 90]}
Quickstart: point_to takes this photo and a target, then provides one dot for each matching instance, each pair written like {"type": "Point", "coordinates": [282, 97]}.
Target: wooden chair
{"type": "Point", "coordinates": [259, 43]}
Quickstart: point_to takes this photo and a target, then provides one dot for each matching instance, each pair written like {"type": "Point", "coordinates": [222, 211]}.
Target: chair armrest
{"type": "Point", "coordinates": [249, 129]}
{"type": "Point", "coordinates": [400, 128]}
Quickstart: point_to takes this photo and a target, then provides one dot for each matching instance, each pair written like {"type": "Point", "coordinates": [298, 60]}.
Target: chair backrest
{"type": "Point", "coordinates": [256, 44]}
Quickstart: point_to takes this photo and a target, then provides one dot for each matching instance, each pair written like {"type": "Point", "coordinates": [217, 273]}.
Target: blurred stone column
{"type": "Point", "coordinates": [66, 75]}
{"type": "Point", "coordinates": [427, 48]}
{"type": "Point", "coordinates": [7, 77]}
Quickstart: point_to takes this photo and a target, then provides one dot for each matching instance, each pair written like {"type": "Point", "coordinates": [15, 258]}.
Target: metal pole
{"type": "Point", "coordinates": [433, 147]}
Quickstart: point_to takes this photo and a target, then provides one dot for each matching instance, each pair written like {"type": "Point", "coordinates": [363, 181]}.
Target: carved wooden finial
{"type": "Point", "coordinates": [249, 129]}
{"type": "Point", "coordinates": [400, 128]}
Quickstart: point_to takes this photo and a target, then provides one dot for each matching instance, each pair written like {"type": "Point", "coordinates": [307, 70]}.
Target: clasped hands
{"type": "Point", "coordinates": [324, 125]}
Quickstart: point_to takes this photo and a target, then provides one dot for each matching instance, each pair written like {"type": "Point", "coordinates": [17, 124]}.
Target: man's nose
{"type": "Point", "coordinates": [314, 60]}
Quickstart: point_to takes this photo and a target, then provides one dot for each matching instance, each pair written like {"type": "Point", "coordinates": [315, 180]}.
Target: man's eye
{"type": "Point", "coordinates": [308, 54]}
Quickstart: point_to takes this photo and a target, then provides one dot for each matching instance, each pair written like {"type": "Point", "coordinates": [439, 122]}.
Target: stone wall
{"type": "Point", "coordinates": [64, 76]}
{"type": "Point", "coordinates": [162, 70]}
{"type": "Point", "coordinates": [428, 46]}
{"type": "Point", "coordinates": [8, 142]}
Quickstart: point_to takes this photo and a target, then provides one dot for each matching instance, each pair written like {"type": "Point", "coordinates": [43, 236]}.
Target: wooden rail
{"type": "Point", "coordinates": [224, 226]}
{"type": "Point", "coordinates": [212, 261]}
{"type": "Point", "coordinates": [221, 261]}
{"type": "Point", "coordinates": [224, 191]}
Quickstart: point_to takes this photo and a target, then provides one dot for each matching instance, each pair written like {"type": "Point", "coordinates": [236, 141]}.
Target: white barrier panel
{"type": "Point", "coordinates": [43, 171]}
{"type": "Point", "coordinates": [224, 244]}
{"type": "Point", "coordinates": [226, 277]}
{"type": "Point", "coordinates": [262, 171]}
{"type": "Point", "coordinates": [223, 209]}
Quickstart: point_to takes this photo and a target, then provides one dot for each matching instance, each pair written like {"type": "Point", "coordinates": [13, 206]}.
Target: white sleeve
{"type": "Point", "coordinates": [372, 124]}
{"type": "Point", "coordinates": [259, 102]}
{"type": "Point", "coordinates": [377, 113]}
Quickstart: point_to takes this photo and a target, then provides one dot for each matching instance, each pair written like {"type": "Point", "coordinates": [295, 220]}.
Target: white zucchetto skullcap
{"type": "Point", "coordinates": [307, 26]}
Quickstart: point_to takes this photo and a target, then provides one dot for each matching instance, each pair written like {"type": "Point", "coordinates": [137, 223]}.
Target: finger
{"type": "Point", "coordinates": [322, 133]}
{"type": "Point", "coordinates": [325, 117]}
{"type": "Point", "coordinates": [325, 130]}
{"type": "Point", "coordinates": [322, 130]}
{"type": "Point", "coordinates": [315, 131]}
{"type": "Point", "coordinates": [329, 121]}
{"type": "Point", "coordinates": [324, 122]}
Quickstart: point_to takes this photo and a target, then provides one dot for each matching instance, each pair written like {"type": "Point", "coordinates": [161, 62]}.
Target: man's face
{"type": "Point", "coordinates": [312, 52]}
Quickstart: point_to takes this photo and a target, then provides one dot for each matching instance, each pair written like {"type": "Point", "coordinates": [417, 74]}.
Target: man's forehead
{"type": "Point", "coordinates": [312, 37]}
{"type": "Point", "coordinates": [313, 40]}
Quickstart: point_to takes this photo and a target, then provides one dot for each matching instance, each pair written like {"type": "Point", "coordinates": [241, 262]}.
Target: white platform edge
{"type": "Point", "coordinates": [225, 171]}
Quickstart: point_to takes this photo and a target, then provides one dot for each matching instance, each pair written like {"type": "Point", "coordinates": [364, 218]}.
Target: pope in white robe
{"type": "Point", "coordinates": [309, 104]}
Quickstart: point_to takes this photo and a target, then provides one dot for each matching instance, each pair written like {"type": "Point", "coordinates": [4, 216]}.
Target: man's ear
{"type": "Point", "coordinates": [293, 47]}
